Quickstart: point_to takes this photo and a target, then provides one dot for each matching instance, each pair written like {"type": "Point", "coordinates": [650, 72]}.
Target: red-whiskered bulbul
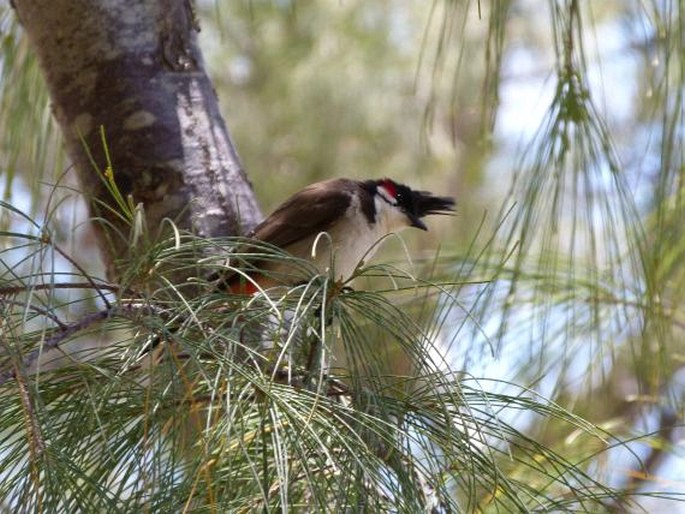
{"type": "Point", "coordinates": [336, 223]}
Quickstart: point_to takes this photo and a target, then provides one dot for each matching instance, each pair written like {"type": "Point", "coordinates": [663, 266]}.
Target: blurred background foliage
{"type": "Point", "coordinates": [557, 125]}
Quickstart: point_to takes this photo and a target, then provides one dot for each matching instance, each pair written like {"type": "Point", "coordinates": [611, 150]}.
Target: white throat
{"type": "Point", "coordinates": [389, 217]}
{"type": "Point", "coordinates": [354, 239]}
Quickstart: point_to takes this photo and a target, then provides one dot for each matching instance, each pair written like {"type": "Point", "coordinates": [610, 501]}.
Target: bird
{"type": "Point", "coordinates": [335, 224]}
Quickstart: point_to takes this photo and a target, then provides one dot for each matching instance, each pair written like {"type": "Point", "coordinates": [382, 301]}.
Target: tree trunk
{"type": "Point", "coordinates": [134, 68]}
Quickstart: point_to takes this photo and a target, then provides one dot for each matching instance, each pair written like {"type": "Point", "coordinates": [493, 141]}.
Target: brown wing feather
{"type": "Point", "coordinates": [312, 210]}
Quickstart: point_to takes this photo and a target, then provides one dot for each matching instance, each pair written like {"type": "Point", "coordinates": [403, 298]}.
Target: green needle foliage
{"type": "Point", "coordinates": [183, 397]}
{"type": "Point", "coordinates": [528, 373]}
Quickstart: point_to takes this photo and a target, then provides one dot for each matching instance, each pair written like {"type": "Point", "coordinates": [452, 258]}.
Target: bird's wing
{"type": "Point", "coordinates": [305, 214]}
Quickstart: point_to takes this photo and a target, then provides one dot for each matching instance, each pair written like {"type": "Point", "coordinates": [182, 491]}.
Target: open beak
{"type": "Point", "coordinates": [425, 204]}
{"type": "Point", "coordinates": [416, 221]}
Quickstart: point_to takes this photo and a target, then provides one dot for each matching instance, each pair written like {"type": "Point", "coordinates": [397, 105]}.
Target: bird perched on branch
{"type": "Point", "coordinates": [336, 224]}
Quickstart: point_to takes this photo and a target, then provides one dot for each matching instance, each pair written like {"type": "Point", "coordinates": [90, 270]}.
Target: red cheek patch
{"type": "Point", "coordinates": [389, 186]}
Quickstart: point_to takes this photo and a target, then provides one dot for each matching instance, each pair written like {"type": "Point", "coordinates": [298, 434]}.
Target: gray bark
{"type": "Point", "coordinates": [134, 68]}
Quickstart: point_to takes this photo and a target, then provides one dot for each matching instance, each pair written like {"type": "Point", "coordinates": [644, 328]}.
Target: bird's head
{"type": "Point", "coordinates": [414, 205]}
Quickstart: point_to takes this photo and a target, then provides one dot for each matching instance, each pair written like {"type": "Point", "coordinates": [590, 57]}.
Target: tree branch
{"type": "Point", "coordinates": [134, 68]}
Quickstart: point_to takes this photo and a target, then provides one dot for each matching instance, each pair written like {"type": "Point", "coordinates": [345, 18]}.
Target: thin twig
{"type": "Point", "coordinates": [35, 435]}
{"type": "Point", "coordinates": [54, 341]}
{"type": "Point", "coordinates": [10, 290]}
{"type": "Point", "coordinates": [85, 275]}
{"type": "Point", "coordinates": [38, 310]}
